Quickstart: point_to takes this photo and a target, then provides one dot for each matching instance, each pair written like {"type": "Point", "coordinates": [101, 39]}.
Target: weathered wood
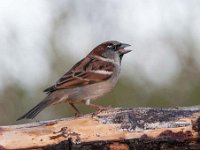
{"type": "Point", "coordinates": [135, 128]}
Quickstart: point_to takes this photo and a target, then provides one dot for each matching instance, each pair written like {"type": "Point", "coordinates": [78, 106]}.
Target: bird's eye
{"type": "Point", "coordinates": [110, 46]}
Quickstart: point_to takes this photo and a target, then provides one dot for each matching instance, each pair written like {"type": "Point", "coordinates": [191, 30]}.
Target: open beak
{"type": "Point", "coordinates": [122, 50]}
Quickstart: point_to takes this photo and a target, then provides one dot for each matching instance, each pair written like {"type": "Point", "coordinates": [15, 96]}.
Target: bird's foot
{"type": "Point", "coordinates": [103, 108]}
{"type": "Point", "coordinates": [100, 109]}
{"type": "Point", "coordinates": [77, 115]}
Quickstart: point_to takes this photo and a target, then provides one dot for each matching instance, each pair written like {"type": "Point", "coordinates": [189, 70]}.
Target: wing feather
{"type": "Point", "coordinates": [87, 71]}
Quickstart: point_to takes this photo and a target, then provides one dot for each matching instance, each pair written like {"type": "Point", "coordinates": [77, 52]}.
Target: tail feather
{"type": "Point", "coordinates": [37, 109]}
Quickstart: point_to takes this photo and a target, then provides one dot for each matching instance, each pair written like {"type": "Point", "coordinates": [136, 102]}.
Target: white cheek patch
{"type": "Point", "coordinates": [104, 59]}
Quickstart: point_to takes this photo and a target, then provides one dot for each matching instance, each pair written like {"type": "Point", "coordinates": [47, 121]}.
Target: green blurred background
{"type": "Point", "coordinates": [41, 40]}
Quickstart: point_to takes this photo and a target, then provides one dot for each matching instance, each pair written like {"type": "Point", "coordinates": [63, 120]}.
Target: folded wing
{"type": "Point", "coordinates": [87, 71]}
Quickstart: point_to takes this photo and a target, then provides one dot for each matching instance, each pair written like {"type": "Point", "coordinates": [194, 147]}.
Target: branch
{"type": "Point", "coordinates": [135, 128]}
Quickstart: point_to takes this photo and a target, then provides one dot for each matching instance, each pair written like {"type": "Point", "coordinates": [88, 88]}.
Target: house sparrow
{"type": "Point", "coordinates": [89, 79]}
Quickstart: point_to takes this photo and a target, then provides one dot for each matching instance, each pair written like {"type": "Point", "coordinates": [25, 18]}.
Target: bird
{"type": "Point", "coordinates": [90, 78]}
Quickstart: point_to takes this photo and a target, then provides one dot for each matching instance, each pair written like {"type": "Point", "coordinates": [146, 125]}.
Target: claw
{"type": "Point", "coordinates": [77, 115]}
{"type": "Point", "coordinates": [100, 109]}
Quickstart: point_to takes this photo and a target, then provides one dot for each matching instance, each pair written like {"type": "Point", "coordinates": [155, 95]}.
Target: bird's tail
{"type": "Point", "coordinates": [37, 109]}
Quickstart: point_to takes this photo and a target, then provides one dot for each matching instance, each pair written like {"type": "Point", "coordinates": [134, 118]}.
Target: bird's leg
{"type": "Point", "coordinates": [77, 114]}
{"type": "Point", "coordinates": [97, 107]}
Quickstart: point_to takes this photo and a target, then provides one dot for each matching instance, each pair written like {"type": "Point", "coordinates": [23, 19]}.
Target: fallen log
{"type": "Point", "coordinates": [117, 128]}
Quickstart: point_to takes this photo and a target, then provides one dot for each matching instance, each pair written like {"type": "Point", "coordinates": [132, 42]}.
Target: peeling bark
{"type": "Point", "coordinates": [135, 128]}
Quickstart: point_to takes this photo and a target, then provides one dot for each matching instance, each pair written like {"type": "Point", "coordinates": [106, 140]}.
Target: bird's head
{"type": "Point", "coordinates": [111, 50]}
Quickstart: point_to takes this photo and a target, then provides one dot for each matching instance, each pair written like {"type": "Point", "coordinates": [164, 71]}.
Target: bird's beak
{"type": "Point", "coordinates": [122, 50]}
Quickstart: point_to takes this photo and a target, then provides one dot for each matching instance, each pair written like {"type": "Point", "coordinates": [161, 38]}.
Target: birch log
{"type": "Point", "coordinates": [117, 129]}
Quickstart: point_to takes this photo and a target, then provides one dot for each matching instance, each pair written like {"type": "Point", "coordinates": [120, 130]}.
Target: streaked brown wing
{"type": "Point", "coordinates": [83, 73]}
